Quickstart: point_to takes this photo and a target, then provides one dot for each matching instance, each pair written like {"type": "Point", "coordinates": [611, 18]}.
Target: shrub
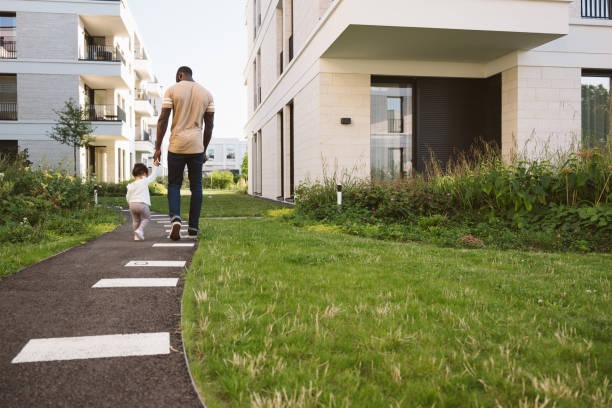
{"type": "Point", "coordinates": [29, 198]}
{"type": "Point", "coordinates": [221, 180]}
{"type": "Point", "coordinates": [545, 204]}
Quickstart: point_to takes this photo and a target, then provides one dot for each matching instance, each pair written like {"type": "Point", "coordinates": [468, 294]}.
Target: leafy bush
{"type": "Point", "coordinates": [221, 180]}
{"type": "Point", "coordinates": [112, 189]}
{"type": "Point", "coordinates": [536, 204]}
{"type": "Point", "coordinates": [30, 198]}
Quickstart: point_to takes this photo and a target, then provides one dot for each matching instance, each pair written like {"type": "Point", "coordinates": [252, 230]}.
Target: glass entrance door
{"type": "Point", "coordinates": [390, 130]}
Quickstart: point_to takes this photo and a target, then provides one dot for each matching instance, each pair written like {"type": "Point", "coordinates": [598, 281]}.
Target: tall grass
{"type": "Point", "coordinates": [547, 204]}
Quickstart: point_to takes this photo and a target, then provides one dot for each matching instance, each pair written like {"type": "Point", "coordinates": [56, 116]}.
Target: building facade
{"type": "Point", "coordinates": [90, 51]}
{"type": "Point", "coordinates": [225, 154]}
{"type": "Point", "coordinates": [374, 89]}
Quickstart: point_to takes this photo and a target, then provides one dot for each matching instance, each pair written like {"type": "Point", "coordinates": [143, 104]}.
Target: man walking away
{"type": "Point", "coordinates": [193, 112]}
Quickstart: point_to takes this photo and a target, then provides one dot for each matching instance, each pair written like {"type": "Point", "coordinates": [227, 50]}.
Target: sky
{"type": "Point", "coordinates": [209, 36]}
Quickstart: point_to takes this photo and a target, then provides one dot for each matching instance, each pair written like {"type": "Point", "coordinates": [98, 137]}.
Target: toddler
{"type": "Point", "coordinates": [138, 197]}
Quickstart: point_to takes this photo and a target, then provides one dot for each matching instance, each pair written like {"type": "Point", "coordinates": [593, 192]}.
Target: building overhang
{"type": "Point", "coordinates": [430, 44]}
{"type": "Point", "coordinates": [468, 30]}
{"type": "Point", "coordinates": [104, 82]}
{"type": "Point", "coordinates": [144, 146]}
{"type": "Point", "coordinates": [105, 25]}
{"type": "Point", "coordinates": [143, 69]}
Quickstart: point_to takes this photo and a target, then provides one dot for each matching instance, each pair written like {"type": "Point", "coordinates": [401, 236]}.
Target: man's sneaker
{"type": "Point", "coordinates": [138, 233]}
{"type": "Point", "coordinates": [192, 232]}
{"type": "Point", "coordinates": [175, 232]}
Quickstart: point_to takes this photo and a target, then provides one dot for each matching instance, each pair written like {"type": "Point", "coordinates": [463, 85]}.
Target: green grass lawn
{"type": "Point", "coordinates": [215, 203]}
{"type": "Point", "coordinates": [276, 315]}
{"type": "Point", "coordinates": [95, 222]}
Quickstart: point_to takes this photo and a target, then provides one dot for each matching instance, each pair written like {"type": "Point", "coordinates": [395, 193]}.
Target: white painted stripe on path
{"type": "Point", "coordinates": [136, 283]}
{"type": "Point", "coordinates": [183, 230]}
{"type": "Point", "coordinates": [87, 347]}
{"type": "Point", "coordinates": [173, 245]}
{"type": "Point", "coordinates": [174, 264]}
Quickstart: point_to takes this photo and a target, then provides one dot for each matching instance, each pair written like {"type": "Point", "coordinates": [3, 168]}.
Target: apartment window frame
{"type": "Point", "coordinates": [8, 48]}
{"type": "Point", "coordinates": [8, 100]}
{"type": "Point", "coordinates": [597, 9]}
{"type": "Point", "coordinates": [602, 132]}
{"type": "Point", "coordinates": [230, 152]}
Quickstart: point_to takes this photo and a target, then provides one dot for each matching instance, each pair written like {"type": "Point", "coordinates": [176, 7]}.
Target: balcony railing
{"type": "Point", "coordinates": [597, 9]}
{"type": "Point", "coordinates": [142, 95]}
{"type": "Point", "coordinates": [8, 49]}
{"type": "Point", "coordinates": [102, 53]}
{"type": "Point", "coordinates": [8, 110]}
{"type": "Point", "coordinates": [104, 113]}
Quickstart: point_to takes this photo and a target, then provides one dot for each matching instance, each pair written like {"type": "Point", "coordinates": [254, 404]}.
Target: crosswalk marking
{"type": "Point", "coordinates": [177, 264]}
{"type": "Point", "coordinates": [87, 347]}
{"type": "Point", "coordinates": [136, 283]}
{"type": "Point", "coordinates": [174, 245]}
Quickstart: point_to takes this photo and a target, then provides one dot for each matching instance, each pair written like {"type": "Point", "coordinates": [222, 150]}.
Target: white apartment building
{"type": "Point", "coordinates": [225, 154]}
{"type": "Point", "coordinates": [87, 50]}
{"type": "Point", "coordinates": [374, 88]}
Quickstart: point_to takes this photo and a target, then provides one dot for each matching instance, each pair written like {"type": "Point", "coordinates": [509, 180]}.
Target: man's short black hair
{"type": "Point", "coordinates": [185, 70]}
{"type": "Point", "coordinates": [140, 169]}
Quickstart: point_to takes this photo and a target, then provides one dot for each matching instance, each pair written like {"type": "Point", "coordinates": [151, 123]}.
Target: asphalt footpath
{"type": "Point", "coordinates": [98, 325]}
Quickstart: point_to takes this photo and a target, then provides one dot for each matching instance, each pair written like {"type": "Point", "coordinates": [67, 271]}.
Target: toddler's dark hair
{"type": "Point", "coordinates": [139, 170]}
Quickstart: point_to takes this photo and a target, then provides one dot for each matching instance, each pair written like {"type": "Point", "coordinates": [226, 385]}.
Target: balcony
{"type": "Point", "coordinates": [104, 113]}
{"type": "Point", "coordinates": [8, 110]}
{"type": "Point", "coordinates": [8, 49]}
{"type": "Point", "coordinates": [445, 30]}
{"type": "Point", "coordinates": [140, 54]}
{"type": "Point", "coordinates": [144, 142]}
{"type": "Point", "coordinates": [143, 103]}
{"type": "Point", "coordinates": [107, 53]}
{"type": "Point", "coordinates": [600, 9]}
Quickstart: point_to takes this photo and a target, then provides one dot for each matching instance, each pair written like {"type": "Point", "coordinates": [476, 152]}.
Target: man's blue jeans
{"type": "Point", "coordinates": [176, 168]}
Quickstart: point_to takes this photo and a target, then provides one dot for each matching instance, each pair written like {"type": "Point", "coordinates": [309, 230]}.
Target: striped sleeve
{"type": "Point", "coordinates": [211, 105]}
{"type": "Point", "coordinates": [167, 102]}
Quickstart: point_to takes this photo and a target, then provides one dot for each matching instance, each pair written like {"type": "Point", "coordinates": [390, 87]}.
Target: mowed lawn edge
{"type": "Point", "coordinates": [17, 256]}
{"type": "Point", "coordinates": [277, 315]}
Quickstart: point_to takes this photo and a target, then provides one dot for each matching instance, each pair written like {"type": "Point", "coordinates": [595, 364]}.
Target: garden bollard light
{"type": "Point", "coordinates": [339, 194]}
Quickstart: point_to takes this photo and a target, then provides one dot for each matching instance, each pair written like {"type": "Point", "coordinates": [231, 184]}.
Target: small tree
{"type": "Point", "coordinates": [244, 167]}
{"type": "Point", "coordinates": [72, 128]}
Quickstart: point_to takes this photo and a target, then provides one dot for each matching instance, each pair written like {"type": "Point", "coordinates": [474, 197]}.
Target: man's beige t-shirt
{"type": "Point", "coordinates": [188, 101]}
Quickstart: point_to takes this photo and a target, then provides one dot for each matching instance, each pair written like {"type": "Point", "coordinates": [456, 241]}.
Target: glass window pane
{"type": "Point", "coordinates": [390, 130]}
{"type": "Point", "coordinates": [230, 153]}
{"type": "Point", "coordinates": [596, 110]}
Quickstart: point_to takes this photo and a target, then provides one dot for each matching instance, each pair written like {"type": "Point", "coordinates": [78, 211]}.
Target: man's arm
{"type": "Point", "coordinates": [162, 126]}
{"type": "Point", "coordinates": [209, 124]}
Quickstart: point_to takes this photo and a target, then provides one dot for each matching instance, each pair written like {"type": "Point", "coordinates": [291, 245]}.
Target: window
{"type": "Point", "coordinates": [230, 153]}
{"type": "Point", "coordinates": [8, 26]}
{"type": "Point", "coordinates": [395, 119]}
{"type": "Point", "coordinates": [596, 9]}
{"type": "Point", "coordinates": [596, 108]}
{"type": "Point", "coordinates": [210, 153]}
{"type": "Point", "coordinates": [8, 148]}
{"type": "Point", "coordinates": [290, 31]}
{"type": "Point", "coordinates": [8, 97]}
{"type": "Point", "coordinates": [391, 130]}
